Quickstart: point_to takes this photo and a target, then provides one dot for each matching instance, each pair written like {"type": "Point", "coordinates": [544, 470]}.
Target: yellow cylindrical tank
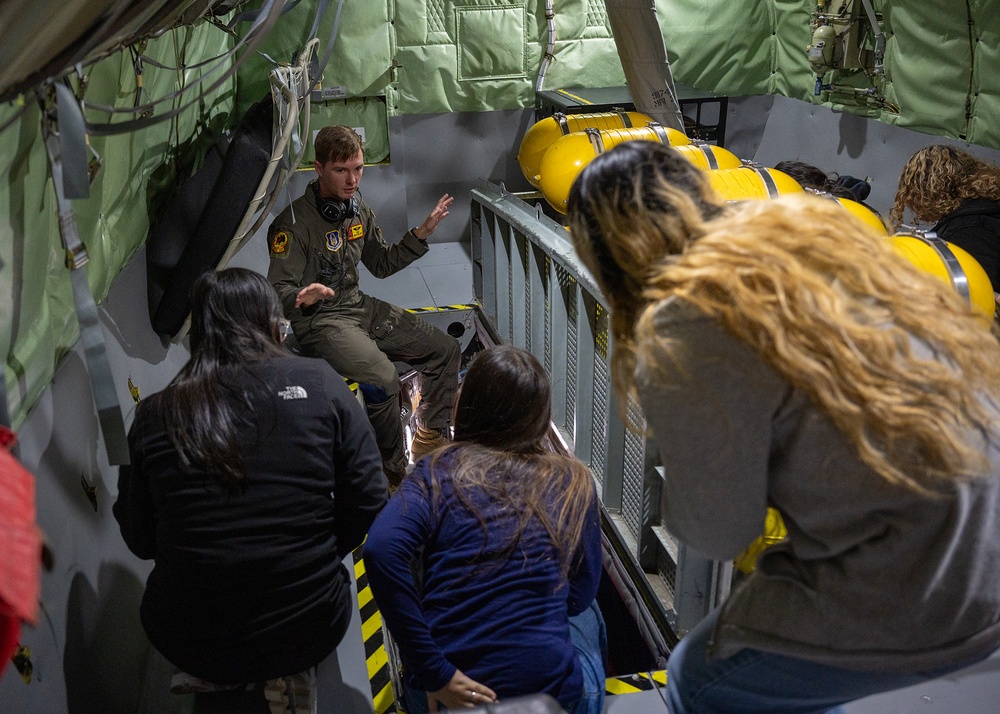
{"type": "Point", "coordinates": [747, 182]}
{"type": "Point", "coordinates": [774, 532]}
{"type": "Point", "coordinates": [709, 156]}
{"type": "Point", "coordinates": [565, 159]}
{"type": "Point", "coordinates": [543, 133]}
{"type": "Point", "coordinates": [865, 214]}
{"type": "Point", "coordinates": [951, 264]}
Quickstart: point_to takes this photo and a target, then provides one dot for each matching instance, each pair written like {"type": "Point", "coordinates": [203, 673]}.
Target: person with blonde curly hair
{"type": "Point", "coordinates": [784, 356]}
{"type": "Point", "coordinates": [960, 195]}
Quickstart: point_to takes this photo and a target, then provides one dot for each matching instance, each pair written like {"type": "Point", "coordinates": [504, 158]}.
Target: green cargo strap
{"type": "Point", "coordinates": [101, 380]}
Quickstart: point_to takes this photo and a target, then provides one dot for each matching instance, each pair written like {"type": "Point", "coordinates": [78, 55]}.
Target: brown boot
{"type": "Point", "coordinates": [427, 440]}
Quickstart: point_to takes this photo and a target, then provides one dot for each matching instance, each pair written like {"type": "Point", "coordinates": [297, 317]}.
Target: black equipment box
{"type": "Point", "coordinates": [704, 112]}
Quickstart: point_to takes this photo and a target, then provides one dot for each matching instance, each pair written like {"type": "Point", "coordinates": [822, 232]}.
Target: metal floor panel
{"type": "Point", "coordinates": [441, 277]}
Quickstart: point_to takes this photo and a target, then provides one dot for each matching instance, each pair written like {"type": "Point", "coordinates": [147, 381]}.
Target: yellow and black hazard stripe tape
{"type": "Point", "coordinates": [377, 660]}
{"type": "Point", "coordinates": [443, 308]}
{"type": "Point", "coordinates": [639, 682]}
{"type": "Point", "coordinates": [383, 698]}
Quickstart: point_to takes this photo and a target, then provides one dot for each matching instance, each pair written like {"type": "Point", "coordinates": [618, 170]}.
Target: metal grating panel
{"type": "Point", "coordinates": [568, 286]}
{"type": "Point", "coordinates": [547, 346]}
{"type": "Point", "coordinates": [510, 289]}
{"type": "Point", "coordinates": [632, 478]}
{"type": "Point", "coordinates": [528, 296]}
{"type": "Point", "coordinates": [602, 378]}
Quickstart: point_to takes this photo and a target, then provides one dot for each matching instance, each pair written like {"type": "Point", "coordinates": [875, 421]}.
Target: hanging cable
{"type": "Point", "coordinates": [550, 48]}
{"type": "Point", "coordinates": [253, 38]}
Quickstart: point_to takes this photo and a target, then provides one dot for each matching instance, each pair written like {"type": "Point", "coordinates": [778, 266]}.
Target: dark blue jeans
{"type": "Point", "coordinates": [755, 682]}
{"type": "Point", "coordinates": [590, 639]}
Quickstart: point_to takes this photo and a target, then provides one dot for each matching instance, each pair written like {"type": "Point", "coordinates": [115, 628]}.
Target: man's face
{"type": "Point", "coordinates": [340, 179]}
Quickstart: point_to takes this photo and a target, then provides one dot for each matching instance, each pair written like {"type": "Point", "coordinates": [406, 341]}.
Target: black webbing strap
{"type": "Point", "coordinates": [92, 337]}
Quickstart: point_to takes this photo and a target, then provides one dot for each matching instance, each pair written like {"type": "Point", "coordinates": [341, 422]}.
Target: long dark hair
{"type": "Point", "coordinates": [504, 449]}
{"type": "Point", "coordinates": [234, 320]}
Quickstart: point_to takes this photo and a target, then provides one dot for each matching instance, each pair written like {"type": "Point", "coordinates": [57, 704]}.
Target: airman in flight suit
{"type": "Point", "coordinates": [316, 244]}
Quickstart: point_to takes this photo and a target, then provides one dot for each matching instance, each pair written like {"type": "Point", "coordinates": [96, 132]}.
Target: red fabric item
{"type": "Point", "coordinates": [20, 556]}
{"type": "Point", "coordinates": [10, 631]}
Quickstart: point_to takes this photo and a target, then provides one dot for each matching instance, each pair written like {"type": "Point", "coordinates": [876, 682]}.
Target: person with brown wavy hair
{"type": "Point", "coordinates": [784, 356]}
{"type": "Point", "coordinates": [507, 528]}
{"type": "Point", "coordinates": [960, 195]}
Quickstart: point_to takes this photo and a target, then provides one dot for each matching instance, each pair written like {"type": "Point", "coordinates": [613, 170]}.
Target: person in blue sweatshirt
{"type": "Point", "coordinates": [506, 527]}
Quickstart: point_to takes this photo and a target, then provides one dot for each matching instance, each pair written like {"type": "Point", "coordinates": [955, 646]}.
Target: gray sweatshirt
{"type": "Point", "coordinates": [872, 576]}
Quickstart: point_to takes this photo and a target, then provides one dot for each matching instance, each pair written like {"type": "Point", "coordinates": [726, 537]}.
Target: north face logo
{"type": "Point", "coordinates": [293, 393]}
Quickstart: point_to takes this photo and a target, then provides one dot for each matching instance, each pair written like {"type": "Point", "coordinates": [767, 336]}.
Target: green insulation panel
{"type": "Point", "coordinates": [138, 170]}
{"type": "Point", "coordinates": [434, 56]}
{"type": "Point", "coordinates": [394, 57]}
{"type": "Point", "coordinates": [941, 60]}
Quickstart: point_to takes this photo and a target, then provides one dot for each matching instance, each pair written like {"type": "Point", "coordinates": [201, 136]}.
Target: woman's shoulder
{"type": "Point", "coordinates": [676, 311]}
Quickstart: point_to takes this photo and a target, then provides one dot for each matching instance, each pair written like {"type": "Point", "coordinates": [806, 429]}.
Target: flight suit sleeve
{"type": "Point", "coordinates": [382, 259]}
{"type": "Point", "coordinates": [288, 262]}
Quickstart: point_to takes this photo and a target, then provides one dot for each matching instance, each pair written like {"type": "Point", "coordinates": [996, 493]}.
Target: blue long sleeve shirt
{"type": "Point", "coordinates": [505, 624]}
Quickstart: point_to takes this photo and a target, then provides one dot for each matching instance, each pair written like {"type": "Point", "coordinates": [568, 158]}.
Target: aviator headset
{"type": "Point", "coordinates": [333, 209]}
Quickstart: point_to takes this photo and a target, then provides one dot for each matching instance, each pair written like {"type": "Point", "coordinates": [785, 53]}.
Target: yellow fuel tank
{"type": "Point", "coordinates": [866, 215]}
{"type": "Point", "coordinates": [565, 159]}
{"type": "Point", "coordinates": [543, 133]}
{"type": "Point", "coordinates": [709, 156]}
{"type": "Point", "coordinates": [747, 182]}
{"type": "Point", "coordinates": [775, 531]}
{"type": "Point", "coordinates": [951, 264]}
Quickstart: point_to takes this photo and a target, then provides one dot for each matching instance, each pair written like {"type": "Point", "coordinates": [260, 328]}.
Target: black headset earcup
{"type": "Point", "coordinates": [331, 210]}
{"type": "Point", "coordinates": [337, 211]}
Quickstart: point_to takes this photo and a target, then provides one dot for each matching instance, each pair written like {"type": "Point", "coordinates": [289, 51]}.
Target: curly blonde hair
{"type": "Point", "coordinates": [822, 299]}
{"type": "Point", "coordinates": [936, 179]}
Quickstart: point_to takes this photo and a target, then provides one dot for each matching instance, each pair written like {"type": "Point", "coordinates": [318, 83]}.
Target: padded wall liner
{"type": "Point", "coordinates": [199, 250]}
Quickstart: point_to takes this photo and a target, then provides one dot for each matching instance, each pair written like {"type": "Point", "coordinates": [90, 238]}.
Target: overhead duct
{"type": "Point", "coordinates": [644, 58]}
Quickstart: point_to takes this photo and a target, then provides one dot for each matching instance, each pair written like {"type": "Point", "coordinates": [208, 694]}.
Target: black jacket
{"type": "Point", "coordinates": [975, 227]}
{"type": "Point", "coordinates": [249, 585]}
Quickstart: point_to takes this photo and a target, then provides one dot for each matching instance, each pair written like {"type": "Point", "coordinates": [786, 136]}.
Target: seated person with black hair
{"type": "Point", "coordinates": [252, 475]}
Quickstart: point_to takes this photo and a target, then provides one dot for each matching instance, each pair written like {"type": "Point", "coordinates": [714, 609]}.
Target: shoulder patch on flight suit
{"type": "Point", "coordinates": [279, 244]}
{"type": "Point", "coordinates": [333, 241]}
{"type": "Point", "coordinates": [357, 231]}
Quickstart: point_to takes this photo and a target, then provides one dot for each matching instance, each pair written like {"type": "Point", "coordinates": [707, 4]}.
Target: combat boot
{"type": "Point", "coordinates": [427, 440]}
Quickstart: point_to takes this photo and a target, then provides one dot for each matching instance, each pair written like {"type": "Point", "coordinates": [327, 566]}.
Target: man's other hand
{"type": "Point", "coordinates": [430, 224]}
{"type": "Point", "coordinates": [312, 294]}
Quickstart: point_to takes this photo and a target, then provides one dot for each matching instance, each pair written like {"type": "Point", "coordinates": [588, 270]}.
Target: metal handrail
{"type": "Point", "coordinates": [538, 295]}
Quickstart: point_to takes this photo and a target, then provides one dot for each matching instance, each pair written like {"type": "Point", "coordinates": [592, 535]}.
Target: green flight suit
{"type": "Point", "coordinates": [361, 336]}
